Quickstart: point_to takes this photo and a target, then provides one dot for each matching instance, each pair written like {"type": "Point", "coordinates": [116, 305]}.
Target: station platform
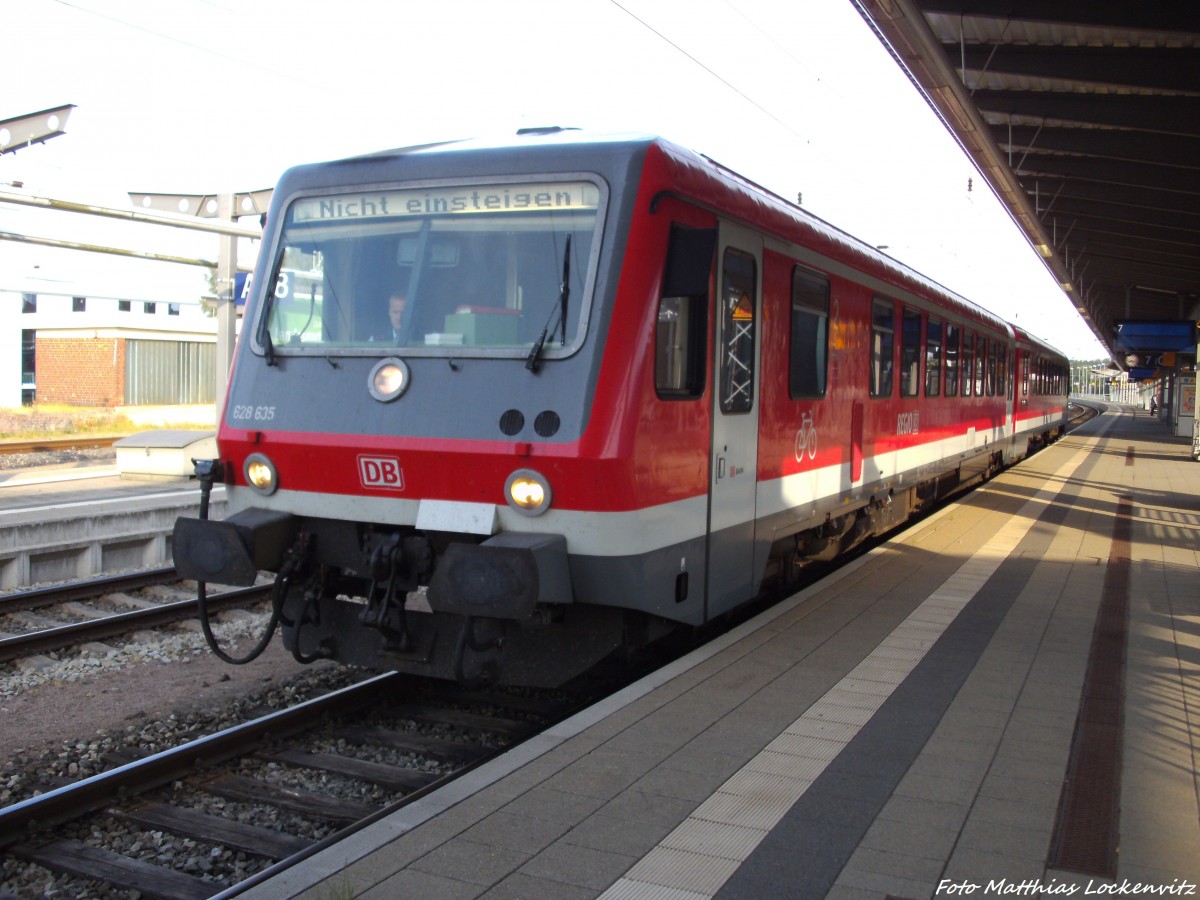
{"type": "Point", "coordinates": [1004, 700]}
{"type": "Point", "coordinates": [72, 521]}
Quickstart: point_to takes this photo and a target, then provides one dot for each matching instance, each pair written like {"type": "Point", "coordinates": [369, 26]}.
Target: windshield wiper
{"type": "Point", "coordinates": [564, 291]}
{"type": "Point", "coordinates": [534, 361]}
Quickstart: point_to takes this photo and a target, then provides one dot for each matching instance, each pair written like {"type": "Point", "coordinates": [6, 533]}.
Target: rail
{"type": "Point", "coordinates": [211, 764]}
{"type": "Point", "coordinates": [58, 637]}
{"type": "Point", "coordinates": [73, 800]}
{"type": "Point", "coordinates": [47, 444]}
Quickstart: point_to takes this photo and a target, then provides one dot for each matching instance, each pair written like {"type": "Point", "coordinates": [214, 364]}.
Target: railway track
{"type": "Point", "coordinates": [50, 445]}
{"type": "Point", "coordinates": [1078, 413]}
{"type": "Point", "coordinates": [253, 799]}
{"type": "Point", "coordinates": [101, 608]}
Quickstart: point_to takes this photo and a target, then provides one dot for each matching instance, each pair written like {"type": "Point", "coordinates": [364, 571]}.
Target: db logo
{"type": "Point", "coordinates": [380, 472]}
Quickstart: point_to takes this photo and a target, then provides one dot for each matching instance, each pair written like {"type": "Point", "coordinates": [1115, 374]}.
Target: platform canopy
{"type": "Point", "coordinates": [1084, 117]}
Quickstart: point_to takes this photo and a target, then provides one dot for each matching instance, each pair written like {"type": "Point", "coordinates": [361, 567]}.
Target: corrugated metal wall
{"type": "Point", "coordinates": [169, 372]}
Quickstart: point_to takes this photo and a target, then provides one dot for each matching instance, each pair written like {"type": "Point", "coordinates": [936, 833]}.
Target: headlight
{"type": "Point", "coordinates": [388, 379]}
{"type": "Point", "coordinates": [528, 492]}
{"type": "Point", "coordinates": [260, 474]}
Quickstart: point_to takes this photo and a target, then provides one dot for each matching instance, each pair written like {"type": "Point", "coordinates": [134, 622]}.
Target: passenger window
{"type": "Point", "coordinates": [809, 352]}
{"type": "Point", "coordinates": [933, 357]}
{"type": "Point", "coordinates": [980, 363]}
{"type": "Point", "coordinates": [679, 347]}
{"type": "Point", "coordinates": [738, 288]}
{"type": "Point", "coordinates": [883, 340]}
{"type": "Point", "coordinates": [968, 362]}
{"type": "Point", "coordinates": [953, 336]}
{"type": "Point", "coordinates": [910, 352]}
{"type": "Point", "coordinates": [991, 368]}
{"type": "Point", "coordinates": [680, 338]}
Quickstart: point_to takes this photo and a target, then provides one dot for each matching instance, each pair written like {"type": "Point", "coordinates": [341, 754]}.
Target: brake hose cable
{"type": "Point", "coordinates": [208, 471]}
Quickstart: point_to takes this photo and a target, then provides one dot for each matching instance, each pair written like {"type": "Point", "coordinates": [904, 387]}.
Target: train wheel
{"type": "Point", "coordinates": [790, 569]}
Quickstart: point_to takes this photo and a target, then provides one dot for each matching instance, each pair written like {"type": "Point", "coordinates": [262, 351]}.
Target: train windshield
{"type": "Point", "coordinates": [452, 270]}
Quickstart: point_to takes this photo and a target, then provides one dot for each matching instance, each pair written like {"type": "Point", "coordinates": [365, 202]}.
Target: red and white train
{"type": "Point", "coordinates": [620, 390]}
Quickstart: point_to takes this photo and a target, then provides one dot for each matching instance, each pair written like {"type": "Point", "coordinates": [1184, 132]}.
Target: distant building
{"type": "Point", "coordinates": [59, 344]}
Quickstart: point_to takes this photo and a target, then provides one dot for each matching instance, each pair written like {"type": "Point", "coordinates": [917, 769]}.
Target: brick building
{"type": "Point", "coordinates": [75, 350]}
{"type": "Point", "coordinates": [80, 370]}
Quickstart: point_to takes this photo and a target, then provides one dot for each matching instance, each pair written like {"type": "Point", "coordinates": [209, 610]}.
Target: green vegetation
{"type": "Point", "coordinates": [30, 422]}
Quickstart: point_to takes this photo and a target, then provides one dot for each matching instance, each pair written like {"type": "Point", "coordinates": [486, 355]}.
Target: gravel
{"type": "Point", "coordinates": [141, 698]}
{"type": "Point", "coordinates": [94, 455]}
{"type": "Point", "coordinates": [62, 717]}
{"type": "Point", "coordinates": [70, 715]}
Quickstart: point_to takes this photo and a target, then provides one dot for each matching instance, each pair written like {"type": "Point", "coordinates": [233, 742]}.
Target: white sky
{"type": "Point", "coordinates": [207, 96]}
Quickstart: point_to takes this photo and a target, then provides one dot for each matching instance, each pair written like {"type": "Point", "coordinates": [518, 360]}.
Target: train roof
{"type": "Point", "coordinates": [1024, 336]}
{"type": "Point", "coordinates": [756, 204]}
{"type": "Point", "coordinates": [702, 177]}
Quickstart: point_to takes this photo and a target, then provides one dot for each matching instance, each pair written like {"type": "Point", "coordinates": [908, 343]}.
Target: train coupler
{"type": "Point", "coordinates": [381, 595]}
{"type": "Point", "coordinates": [395, 567]}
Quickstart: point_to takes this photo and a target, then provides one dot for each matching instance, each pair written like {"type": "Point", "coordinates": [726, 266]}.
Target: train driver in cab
{"type": "Point", "coordinates": [400, 320]}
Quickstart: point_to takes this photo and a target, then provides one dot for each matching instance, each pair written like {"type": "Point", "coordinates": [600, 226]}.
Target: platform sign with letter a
{"type": "Point", "coordinates": [242, 283]}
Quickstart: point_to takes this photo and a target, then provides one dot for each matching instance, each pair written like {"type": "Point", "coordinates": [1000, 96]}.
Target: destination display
{"type": "Point", "coordinates": [453, 200]}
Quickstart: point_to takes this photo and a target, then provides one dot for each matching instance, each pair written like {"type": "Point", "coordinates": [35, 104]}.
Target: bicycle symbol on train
{"type": "Point", "coordinates": [806, 438]}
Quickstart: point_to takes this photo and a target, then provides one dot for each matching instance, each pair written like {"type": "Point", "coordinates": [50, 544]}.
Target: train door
{"type": "Point", "coordinates": [1020, 374]}
{"type": "Point", "coordinates": [734, 485]}
{"type": "Point", "coordinates": [857, 413]}
{"type": "Point", "coordinates": [1010, 377]}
